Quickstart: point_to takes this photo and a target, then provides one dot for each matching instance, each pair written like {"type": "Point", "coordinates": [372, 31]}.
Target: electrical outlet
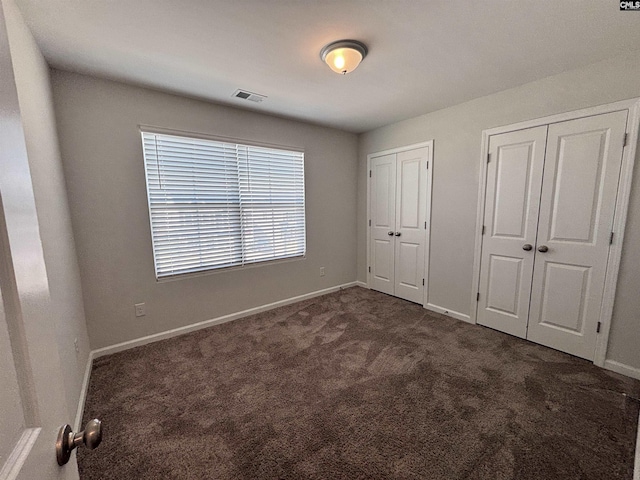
{"type": "Point", "coordinates": [75, 345]}
{"type": "Point", "coordinates": [322, 271]}
{"type": "Point", "coordinates": [141, 309]}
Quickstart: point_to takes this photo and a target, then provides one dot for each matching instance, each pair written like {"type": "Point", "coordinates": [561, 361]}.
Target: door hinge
{"type": "Point", "coordinates": [488, 157]}
{"type": "Point", "coordinates": [483, 228]}
{"type": "Point", "coordinates": [369, 269]}
{"type": "Point", "coordinates": [369, 222]}
{"type": "Point", "coordinates": [425, 225]}
{"type": "Point", "coordinates": [423, 282]}
{"type": "Point", "coordinates": [427, 165]}
{"type": "Point", "coordinates": [624, 142]}
{"type": "Point", "coordinates": [478, 297]}
{"type": "Point", "coordinates": [598, 328]}
{"type": "Point", "coordinates": [369, 173]}
{"type": "Point", "coordinates": [611, 239]}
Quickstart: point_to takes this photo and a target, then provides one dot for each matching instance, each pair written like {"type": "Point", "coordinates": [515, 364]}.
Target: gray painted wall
{"type": "Point", "coordinates": [457, 135]}
{"type": "Point", "coordinates": [102, 154]}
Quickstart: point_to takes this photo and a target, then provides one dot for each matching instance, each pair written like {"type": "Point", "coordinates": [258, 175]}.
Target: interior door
{"type": "Point", "coordinates": [32, 398]}
{"type": "Point", "coordinates": [33, 403]}
{"type": "Point", "coordinates": [383, 223]}
{"type": "Point", "coordinates": [410, 235]}
{"type": "Point", "coordinates": [581, 173]}
{"type": "Point", "coordinates": [514, 179]}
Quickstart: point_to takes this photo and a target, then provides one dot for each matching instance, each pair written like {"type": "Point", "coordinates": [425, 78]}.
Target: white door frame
{"type": "Point", "coordinates": [620, 217]}
{"type": "Point", "coordinates": [414, 146]}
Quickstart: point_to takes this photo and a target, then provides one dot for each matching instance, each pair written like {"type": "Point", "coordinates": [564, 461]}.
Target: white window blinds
{"type": "Point", "coordinates": [217, 204]}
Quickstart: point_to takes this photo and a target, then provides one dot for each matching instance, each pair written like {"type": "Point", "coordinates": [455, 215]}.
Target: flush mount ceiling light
{"type": "Point", "coordinates": [344, 56]}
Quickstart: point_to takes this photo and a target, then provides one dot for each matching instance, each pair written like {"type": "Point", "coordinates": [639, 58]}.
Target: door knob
{"type": "Point", "coordinates": [398, 234]}
{"type": "Point", "coordinates": [543, 248]}
{"type": "Point", "coordinates": [527, 247]}
{"type": "Point", "coordinates": [90, 437]}
{"type": "Point", "coordinates": [390, 234]}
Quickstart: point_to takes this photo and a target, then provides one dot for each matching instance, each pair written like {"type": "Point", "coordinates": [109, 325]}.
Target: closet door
{"type": "Point", "coordinates": [514, 179]}
{"type": "Point", "coordinates": [383, 223]}
{"type": "Point", "coordinates": [411, 207]}
{"type": "Point", "coordinates": [581, 172]}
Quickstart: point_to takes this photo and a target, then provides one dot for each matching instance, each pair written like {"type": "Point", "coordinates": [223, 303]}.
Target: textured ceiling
{"type": "Point", "coordinates": [423, 55]}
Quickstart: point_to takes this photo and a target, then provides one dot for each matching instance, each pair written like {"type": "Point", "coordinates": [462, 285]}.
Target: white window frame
{"type": "Point", "coordinates": [160, 273]}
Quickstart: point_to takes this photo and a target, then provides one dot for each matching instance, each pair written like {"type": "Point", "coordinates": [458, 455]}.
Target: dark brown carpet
{"type": "Point", "coordinates": [356, 385]}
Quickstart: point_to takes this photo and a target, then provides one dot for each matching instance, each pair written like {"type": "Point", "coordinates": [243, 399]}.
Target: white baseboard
{"type": "Point", "coordinates": [361, 284]}
{"type": "Point", "coordinates": [622, 368]}
{"type": "Point", "coordinates": [83, 394]}
{"type": "Point", "coordinates": [119, 347]}
{"type": "Point", "coordinates": [445, 311]}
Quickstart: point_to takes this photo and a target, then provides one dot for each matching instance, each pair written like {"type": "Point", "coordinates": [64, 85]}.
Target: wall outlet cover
{"type": "Point", "coordinates": [141, 309]}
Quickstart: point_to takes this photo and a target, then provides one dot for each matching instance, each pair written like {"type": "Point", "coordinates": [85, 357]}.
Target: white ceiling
{"type": "Point", "coordinates": [424, 55]}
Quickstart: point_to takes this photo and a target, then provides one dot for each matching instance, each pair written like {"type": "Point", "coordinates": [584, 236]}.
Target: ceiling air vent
{"type": "Point", "coordinates": [253, 97]}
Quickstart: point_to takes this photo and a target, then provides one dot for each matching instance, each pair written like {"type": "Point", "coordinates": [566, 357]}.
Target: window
{"type": "Point", "coordinates": [217, 204]}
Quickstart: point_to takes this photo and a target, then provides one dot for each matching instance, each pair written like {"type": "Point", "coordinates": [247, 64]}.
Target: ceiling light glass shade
{"type": "Point", "coordinates": [344, 56]}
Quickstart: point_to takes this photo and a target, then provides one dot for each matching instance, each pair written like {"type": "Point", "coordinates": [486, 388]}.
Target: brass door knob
{"type": "Point", "coordinates": [90, 437]}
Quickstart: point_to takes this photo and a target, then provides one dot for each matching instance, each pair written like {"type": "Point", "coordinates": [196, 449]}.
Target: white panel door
{"type": "Point", "coordinates": [410, 235]}
{"type": "Point", "coordinates": [581, 172]}
{"type": "Point", "coordinates": [514, 179]}
{"type": "Point", "coordinates": [383, 223]}
{"type": "Point", "coordinates": [33, 402]}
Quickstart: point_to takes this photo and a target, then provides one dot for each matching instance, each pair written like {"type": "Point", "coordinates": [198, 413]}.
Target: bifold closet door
{"type": "Point", "coordinates": [514, 180]}
{"type": "Point", "coordinates": [398, 203]}
{"type": "Point", "coordinates": [579, 191]}
{"type": "Point", "coordinates": [549, 211]}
